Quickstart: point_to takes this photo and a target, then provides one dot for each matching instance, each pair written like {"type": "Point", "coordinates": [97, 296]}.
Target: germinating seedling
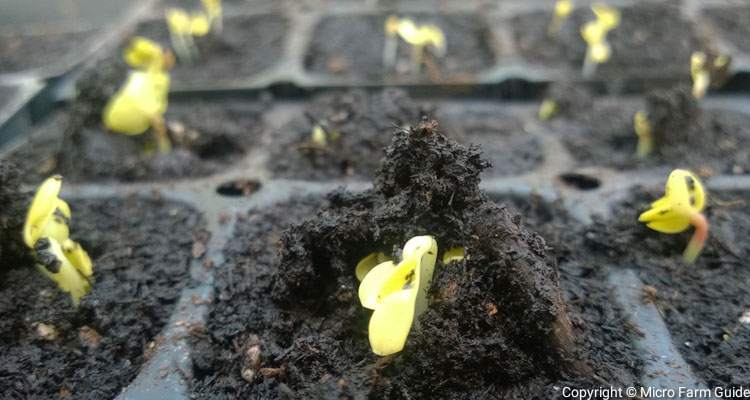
{"type": "Point", "coordinates": [183, 26]}
{"type": "Point", "coordinates": [215, 14]}
{"type": "Point", "coordinates": [398, 292]}
{"type": "Point", "coordinates": [595, 34]}
{"type": "Point", "coordinates": [47, 232]}
{"type": "Point", "coordinates": [548, 109]}
{"type": "Point", "coordinates": [141, 102]}
{"type": "Point", "coordinates": [645, 134]}
{"type": "Point", "coordinates": [418, 36]}
{"type": "Point", "coordinates": [704, 70]}
{"type": "Point", "coordinates": [684, 199]}
{"type": "Point", "coordinates": [563, 8]}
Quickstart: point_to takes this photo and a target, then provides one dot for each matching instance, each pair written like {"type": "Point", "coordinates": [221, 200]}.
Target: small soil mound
{"type": "Point", "coordinates": [497, 316]}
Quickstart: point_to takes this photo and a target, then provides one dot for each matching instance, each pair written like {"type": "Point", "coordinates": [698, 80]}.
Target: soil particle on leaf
{"type": "Point", "coordinates": [363, 122]}
{"type": "Point", "coordinates": [48, 347]}
{"type": "Point", "coordinates": [246, 46]}
{"type": "Point", "coordinates": [207, 136]}
{"type": "Point", "coordinates": [653, 38]}
{"type": "Point", "coordinates": [352, 46]}
{"type": "Point", "coordinates": [287, 321]}
{"type": "Point", "coordinates": [687, 135]}
{"type": "Point", "coordinates": [704, 303]}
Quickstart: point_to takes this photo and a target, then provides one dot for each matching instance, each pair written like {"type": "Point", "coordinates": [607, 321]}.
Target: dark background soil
{"type": "Point", "coordinates": [731, 22]}
{"type": "Point", "coordinates": [352, 46]}
{"type": "Point", "coordinates": [52, 50]}
{"type": "Point", "coordinates": [139, 271]}
{"type": "Point", "coordinates": [366, 122]}
{"type": "Point", "coordinates": [701, 303]}
{"type": "Point", "coordinates": [652, 39]}
{"type": "Point", "coordinates": [246, 46]}
{"type": "Point", "coordinates": [216, 134]}
{"type": "Point", "coordinates": [598, 131]}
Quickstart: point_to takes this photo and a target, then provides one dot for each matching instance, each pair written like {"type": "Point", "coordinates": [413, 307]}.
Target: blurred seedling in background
{"type": "Point", "coordinates": [684, 199]}
{"type": "Point", "coordinates": [397, 292]}
{"type": "Point", "coordinates": [47, 233]}
{"type": "Point", "coordinates": [594, 33]}
{"type": "Point", "coordinates": [563, 9]}
{"type": "Point", "coordinates": [708, 71]}
{"type": "Point", "coordinates": [418, 36]}
{"type": "Point", "coordinates": [215, 14]}
{"type": "Point", "coordinates": [183, 26]}
{"type": "Point", "coordinates": [321, 135]}
{"type": "Point", "coordinates": [548, 109]}
{"type": "Point", "coordinates": [645, 133]}
{"type": "Point", "coordinates": [141, 102]}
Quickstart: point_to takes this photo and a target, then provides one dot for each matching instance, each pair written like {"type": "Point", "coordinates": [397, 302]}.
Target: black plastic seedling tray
{"type": "Point", "coordinates": [584, 192]}
{"type": "Point", "coordinates": [319, 39]}
{"type": "Point", "coordinates": [15, 116]}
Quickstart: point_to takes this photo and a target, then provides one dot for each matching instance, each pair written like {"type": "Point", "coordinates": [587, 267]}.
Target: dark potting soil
{"type": "Point", "coordinates": [706, 304]}
{"type": "Point", "coordinates": [50, 349]}
{"type": "Point", "coordinates": [207, 137]}
{"type": "Point", "coordinates": [707, 140]}
{"type": "Point", "coordinates": [731, 23]}
{"type": "Point", "coordinates": [364, 121]}
{"type": "Point", "coordinates": [246, 46]}
{"type": "Point", "coordinates": [502, 138]}
{"type": "Point", "coordinates": [49, 50]}
{"type": "Point", "coordinates": [653, 39]}
{"type": "Point", "coordinates": [287, 322]}
{"type": "Point", "coordinates": [352, 46]}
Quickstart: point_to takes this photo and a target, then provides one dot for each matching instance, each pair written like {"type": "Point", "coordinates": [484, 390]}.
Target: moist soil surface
{"type": "Point", "coordinates": [246, 46]}
{"type": "Point", "coordinates": [50, 349]}
{"type": "Point", "coordinates": [731, 23]}
{"type": "Point", "coordinates": [652, 39]}
{"type": "Point", "coordinates": [705, 305]}
{"type": "Point", "coordinates": [207, 137]}
{"type": "Point", "coordinates": [365, 121]}
{"type": "Point", "coordinates": [51, 50]}
{"type": "Point", "coordinates": [706, 140]}
{"type": "Point", "coordinates": [286, 321]}
{"type": "Point", "coordinates": [352, 47]}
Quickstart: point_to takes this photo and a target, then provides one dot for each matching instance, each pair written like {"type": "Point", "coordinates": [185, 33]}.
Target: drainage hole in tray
{"type": "Point", "coordinates": [580, 181]}
{"type": "Point", "coordinates": [239, 188]}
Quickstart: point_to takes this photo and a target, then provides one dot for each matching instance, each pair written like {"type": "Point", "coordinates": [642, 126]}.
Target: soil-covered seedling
{"type": "Point", "coordinates": [704, 304]}
{"type": "Point", "coordinates": [362, 123]}
{"type": "Point", "coordinates": [652, 39]}
{"type": "Point", "coordinates": [51, 349]}
{"type": "Point", "coordinates": [354, 45]}
{"type": "Point", "coordinates": [685, 133]}
{"type": "Point", "coordinates": [245, 46]}
{"type": "Point", "coordinates": [290, 324]}
{"type": "Point", "coordinates": [206, 136]}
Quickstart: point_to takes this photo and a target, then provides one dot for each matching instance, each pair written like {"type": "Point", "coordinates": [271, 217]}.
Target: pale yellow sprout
{"type": "Point", "coordinates": [418, 36]}
{"type": "Point", "coordinates": [645, 133]}
{"type": "Point", "coordinates": [182, 27]}
{"type": "Point", "coordinates": [47, 231]}
{"type": "Point", "coordinates": [594, 33]}
{"type": "Point", "coordinates": [563, 8]}
{"type": "Point", "coordinates": [548, 109]}
{"type": "Point", "coordinates": [397, 293]}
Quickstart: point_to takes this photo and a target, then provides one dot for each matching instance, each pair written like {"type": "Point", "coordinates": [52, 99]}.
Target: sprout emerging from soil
{"type": "Point", "coordinates": [141, 102]}
{"type": "Point", "coordinates": [398, 294]}
{"type": "Point", "coordinates": [645, 134]}
{"type": "Point", "coordinates": [47, 232]}
{"type": "Point", "coordinates": [595, 34]}
{"type": "Point", "coordinates": [563, 8]}
{"type": "Point", "coordinates": [418, 36]}
{"type": "Point", "coordinates": [320, 136]}
{"type": "Point", "coordinates": [548, 109]}
{"type": "Point", "coordinates": [182, 27]}
{"type": "Point", "coordinates": [707, 71]}
{"type": "Point", "coordinates": [684, 199]}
